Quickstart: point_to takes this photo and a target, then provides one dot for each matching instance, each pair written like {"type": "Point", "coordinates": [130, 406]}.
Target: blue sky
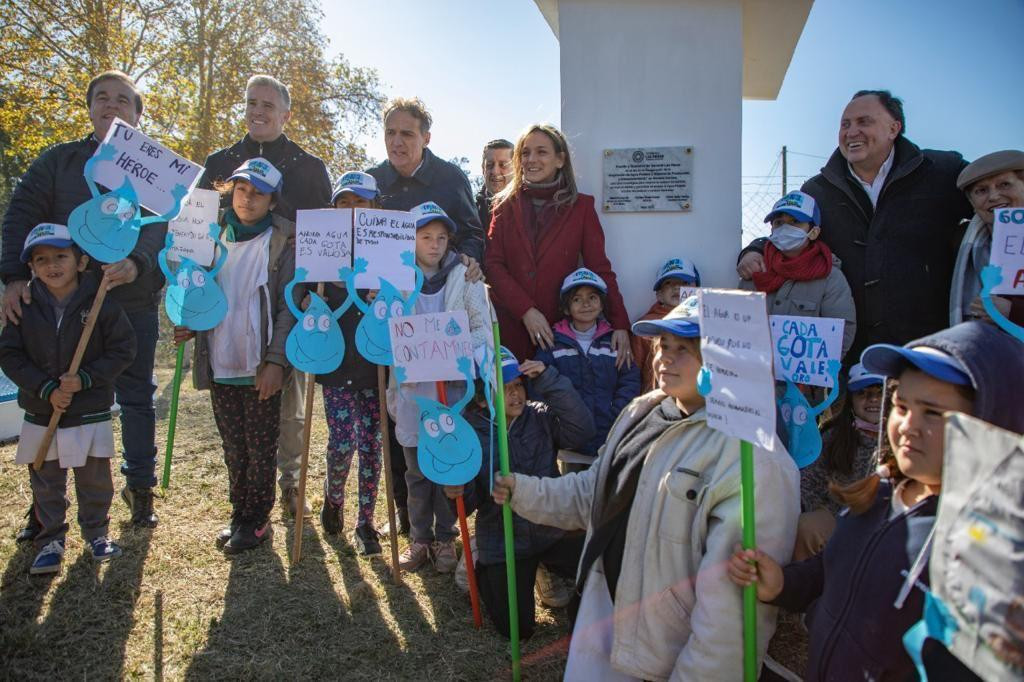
{"type": "Point", "coordinates": [489, 68]}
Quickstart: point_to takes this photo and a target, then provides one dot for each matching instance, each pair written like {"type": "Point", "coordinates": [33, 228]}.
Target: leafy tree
{"type": "Point", "coordinates": [191, 59]}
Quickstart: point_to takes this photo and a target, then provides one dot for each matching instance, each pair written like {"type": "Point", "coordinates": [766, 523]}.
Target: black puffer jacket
{"type": "Point", "coordinates": [305, 185]}
{"type": "Point", "coordinates": [562, 420]}
{"type": "Point", "coordinates": [356, 373]}
{"type": "Point", "coordinates": [898, 256]}
{"type": "Point", "coordinates": [54, 186]}
{"type": "Point", "coordinates": [36, 352]}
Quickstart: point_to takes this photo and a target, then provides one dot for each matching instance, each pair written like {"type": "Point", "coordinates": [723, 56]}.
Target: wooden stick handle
{"type": "Point", "coordinates": [307, 432]}
{"type": "Point", "coordinates": [76, 361]}
{"type": "Point", "coordinates": [396, 572]}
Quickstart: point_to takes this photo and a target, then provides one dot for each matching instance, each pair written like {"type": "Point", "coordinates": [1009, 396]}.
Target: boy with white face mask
{"type": "Point", "coordinates": [802, 276]}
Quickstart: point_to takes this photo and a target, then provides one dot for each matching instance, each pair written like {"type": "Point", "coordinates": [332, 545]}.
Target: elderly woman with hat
{"type": "Point", "coordinates": [994, 181]}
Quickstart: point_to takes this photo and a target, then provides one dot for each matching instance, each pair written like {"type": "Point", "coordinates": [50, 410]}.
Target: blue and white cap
{"type": "Point", "coordinates": [428, 212]}
{"type": "Point", "coordinates": [861, 378]}
{"type": "Point", "coordinates": [48, 234]}
{"type": "Point", "coordinates": [583, 278]}
{"type": "Point", "coordinates": [889, 360]}
{"type": "Point", "coordinates": [683, 320]}
{"type": "Point", "coordinates": [678, 268]}
{"type": "Point", "coordinates": [360, 184]}
{"type": "Point", "coordinates": [800, 205]}
{"type": "Point", "coordinates": [509, 363]}
{"type": "Point", "coordinates": [260, 173]}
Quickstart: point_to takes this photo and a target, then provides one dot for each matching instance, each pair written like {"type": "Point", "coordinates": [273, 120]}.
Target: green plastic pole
{"type": "Point", "coordinates": [172, 420]}
{"type": "Point", "coordinates": [506, 511]}
{"type": "Point", "coordinates": [749, 542]}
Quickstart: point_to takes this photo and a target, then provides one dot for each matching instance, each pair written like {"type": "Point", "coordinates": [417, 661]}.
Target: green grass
{"type": "Point", "coordinates": [174, 607]}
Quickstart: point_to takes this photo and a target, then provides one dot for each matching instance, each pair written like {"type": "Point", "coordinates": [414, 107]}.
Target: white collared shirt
{"type": "Point", "coordinates": [873, 189]}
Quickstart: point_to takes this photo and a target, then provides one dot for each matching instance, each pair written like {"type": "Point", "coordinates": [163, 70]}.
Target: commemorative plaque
{"type": "Point", "coordinates": [647, 179]}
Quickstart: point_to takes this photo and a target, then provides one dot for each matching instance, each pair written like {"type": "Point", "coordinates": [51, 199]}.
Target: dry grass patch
{"type": "Point", "coordinates": [175, 607]}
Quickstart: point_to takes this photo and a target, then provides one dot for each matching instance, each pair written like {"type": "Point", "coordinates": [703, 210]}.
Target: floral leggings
{"type": "Point", "coordinates": [353, 422]}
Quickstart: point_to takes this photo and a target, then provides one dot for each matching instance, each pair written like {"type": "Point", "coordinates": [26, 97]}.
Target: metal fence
{"type": "Point", "coordinates": [760, 192]}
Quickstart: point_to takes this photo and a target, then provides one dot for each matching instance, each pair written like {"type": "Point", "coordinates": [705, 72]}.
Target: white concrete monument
{"type": "Point", "coordinates": [667, 73]}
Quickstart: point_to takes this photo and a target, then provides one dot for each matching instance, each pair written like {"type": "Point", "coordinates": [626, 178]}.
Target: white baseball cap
{"type": "Point", "coordinates": [260, 173]}
{"type": "Point", "coordinates": [48, 234]}
{"type": "Point", "coordinates": [360, 184]}
{"type": "Point", "coordinates": [583, 277]}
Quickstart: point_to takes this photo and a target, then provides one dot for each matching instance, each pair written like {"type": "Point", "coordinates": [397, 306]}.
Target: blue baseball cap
{"type": "Point", "coordinates": [861, 378]}
{"type": "Point", "coordinates": [261, 174]}
{"type": "Point", "coordinates": [46, 234]}
{"type": "Point", "coordinates": [800, 205]}
{"type": "Point", "coordinates": [583, 278]}
{"type": "Point", "coordinates": [683, 320]}
{"type": "Point", "coordinates": [360, 184]}
{"type": "Point", "coordinates": [889, 360]}
{"type": "Point", "coordinates": [678, 268]}
{"type": "Point", "coordinates": [428, 212]}
{"type": "Point", "coordinates": [509, 363]}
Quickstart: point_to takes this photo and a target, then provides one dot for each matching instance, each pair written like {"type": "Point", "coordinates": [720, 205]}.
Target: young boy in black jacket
{"type": "Point", "coordinates": [536, 431]}
{"type": "Point", "coordinates": [36, 355]}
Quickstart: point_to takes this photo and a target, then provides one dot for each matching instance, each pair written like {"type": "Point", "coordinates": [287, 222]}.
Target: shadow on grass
{"type": "Point", "coordinates": [92, 610]}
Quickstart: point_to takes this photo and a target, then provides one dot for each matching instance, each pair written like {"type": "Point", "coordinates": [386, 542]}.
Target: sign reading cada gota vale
{"type": "Point", "coordinates": [647, 179]}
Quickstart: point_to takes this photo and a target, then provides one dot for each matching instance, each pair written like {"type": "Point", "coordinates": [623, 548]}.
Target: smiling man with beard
{"type": "Point", "coordinates": [891, 213]}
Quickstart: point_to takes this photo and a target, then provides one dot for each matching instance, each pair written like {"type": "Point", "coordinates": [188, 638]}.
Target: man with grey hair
{"type": "Point", "coordinates": [306, 185]}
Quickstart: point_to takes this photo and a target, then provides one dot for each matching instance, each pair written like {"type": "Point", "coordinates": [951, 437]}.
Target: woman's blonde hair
{"type": "Point", "coordinates": [566, 195]}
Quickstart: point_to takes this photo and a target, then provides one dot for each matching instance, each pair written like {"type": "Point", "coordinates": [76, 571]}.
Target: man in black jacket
{"type": "Point", "coordinates": [412, 175]}
{"type": "Point", "coordinates": [497, 172]}
{"type": "Point", "coordinates": [890, 212]}
{"type": "Point", "coordinates": [306, 185]}
{"type": "Point", "coordinates": [53, 186]}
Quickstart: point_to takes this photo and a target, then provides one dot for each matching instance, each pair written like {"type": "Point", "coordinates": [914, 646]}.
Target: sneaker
{"type": "Point", "coordinates": [414, 556]}
{"type": "Point", "coordinates": [403, 523]}
{"type": "Point", "coordinates": [331, 517]}
{"type": "Point", "coordinates": [140, 502]}
{"type": "Point", "coordinates": [248, 536]}
{"type": "Point", "coordinates": [104, 549]}
{"type": "Point", "coordinates": [32, 528]}
{"type": "Point", "coordinates": [367, 540]}
{"type": "Point", "coordinates": [444, 556]}
{"type": "Point", "coordinates": [49, 558]}
{"type": "Point", "coordinates": [290, 502]}
{"type": "Point", "coordinates": [225, 534]}
{"type": "Point", "coordinates": [553, 590]}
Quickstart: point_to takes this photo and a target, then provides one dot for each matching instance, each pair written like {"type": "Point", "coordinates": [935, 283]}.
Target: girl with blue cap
{"type": "Point", "coordinates": [861, 591]}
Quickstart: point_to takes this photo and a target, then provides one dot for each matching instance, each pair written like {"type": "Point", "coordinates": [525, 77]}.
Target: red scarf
{"type": "Point", "coordinates": [814, 263]}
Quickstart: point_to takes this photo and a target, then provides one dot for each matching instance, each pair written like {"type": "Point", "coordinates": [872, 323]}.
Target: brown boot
{"type": "Point", "coordinates": [290, 503]}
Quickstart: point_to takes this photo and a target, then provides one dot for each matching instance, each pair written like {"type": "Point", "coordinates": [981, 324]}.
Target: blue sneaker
{"type": "Point", "coordinates": [104, 549]}
{"type": "Point", "coordinates": [49, 558]}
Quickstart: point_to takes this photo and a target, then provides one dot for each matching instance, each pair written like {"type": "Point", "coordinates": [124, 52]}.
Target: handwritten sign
{"type": "Point", "coordinates": [152, 169]}
{"type": "Point", "coordinates": [737, 349]}
{"type": "Point", "coordinates": [191, 228]}
{"type": "Point", "coordinates": [323, 242]}
{"type": "Point", "coordinates": [429, 346]}
{"type": "Point", "coordinates": [381, 237]}
{"type": "Point", "coordinates": [804, 345]}
{"type": "Point", "coordinates": [1008, 250]}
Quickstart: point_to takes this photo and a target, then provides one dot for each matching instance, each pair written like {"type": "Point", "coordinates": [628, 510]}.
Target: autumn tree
{"type": "Point", "coordinates": [191, 59]}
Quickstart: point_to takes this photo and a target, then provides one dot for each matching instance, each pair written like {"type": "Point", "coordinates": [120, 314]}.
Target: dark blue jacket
{"type": "Point", "coordinates": [534, 438]}
{"type": "Point", "coordinates": [849, 590]}
{"type": "Point", "coordinates": [604, 388]}
{"type": "Point", "coordinates": [443, 183]}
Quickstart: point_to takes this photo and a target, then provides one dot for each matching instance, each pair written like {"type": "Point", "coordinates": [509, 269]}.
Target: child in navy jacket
{"type": "Point", "coordinates": [583, 352]}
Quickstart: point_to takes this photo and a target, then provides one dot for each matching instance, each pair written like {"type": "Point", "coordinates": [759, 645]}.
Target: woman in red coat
{"type": "Point", "coordinates": [542, 230]}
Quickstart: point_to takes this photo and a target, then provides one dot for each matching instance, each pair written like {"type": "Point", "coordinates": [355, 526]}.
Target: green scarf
{"type": "Point", "coordinates": [237, 232]}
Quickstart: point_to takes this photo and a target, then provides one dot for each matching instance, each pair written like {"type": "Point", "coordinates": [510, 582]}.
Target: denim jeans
{"type": "Point", "coordinates": [134, 393]}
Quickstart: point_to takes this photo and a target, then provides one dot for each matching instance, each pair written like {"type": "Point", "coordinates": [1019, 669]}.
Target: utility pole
{"type": "Point", "coordinates": [784, 174]}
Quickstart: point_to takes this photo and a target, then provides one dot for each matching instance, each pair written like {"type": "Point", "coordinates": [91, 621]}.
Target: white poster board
{"type": "Point", "coordinates": [737, 349]}
{"type": "Point", "coordinates": [381, 237]}
{"type": "Point", "coordinates": [323, 242]}
{"type": "Point", "coordinates": [1008, 250]}
{"type": "Point", "coordinates": [191, 228]}
{"type": "Point", "coordinates": [428, 346]}
{"type": "Point", "coordinates": [152, 169]}
{"type": "Point", "coordinates": [804, 345]}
